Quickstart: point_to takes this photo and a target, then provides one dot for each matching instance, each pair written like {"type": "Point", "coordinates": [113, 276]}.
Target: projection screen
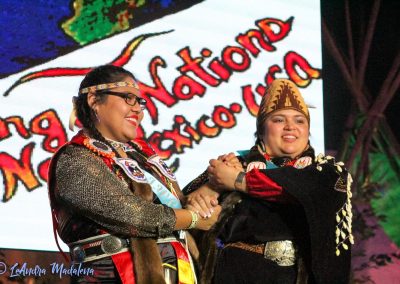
{"type": "Point", "coordinates": [203, 70]}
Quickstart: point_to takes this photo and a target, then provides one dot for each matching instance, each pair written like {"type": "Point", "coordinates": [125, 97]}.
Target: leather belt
{"type": "Point", "coordinates": [283, 253]}
{"type": "Point", "coordinates": [101, 246]}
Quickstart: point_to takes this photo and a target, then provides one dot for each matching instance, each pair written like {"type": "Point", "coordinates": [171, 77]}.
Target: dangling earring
{"type": "Point", "coordinates": [72, 116]}
{"type": "Point", "coordinates": [261, 145]}
{"type": "Point", "coordinates": [97, 116]}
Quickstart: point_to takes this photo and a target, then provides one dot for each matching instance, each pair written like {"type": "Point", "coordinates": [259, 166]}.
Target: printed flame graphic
{"type": "Point", "coordinates": [122, 59]}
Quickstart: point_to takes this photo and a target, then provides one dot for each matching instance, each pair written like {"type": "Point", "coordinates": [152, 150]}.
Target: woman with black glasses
{"type": "Point", "coordinates": [114, 201]}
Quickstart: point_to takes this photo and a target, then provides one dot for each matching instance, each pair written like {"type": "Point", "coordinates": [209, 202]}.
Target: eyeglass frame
{"type": "Point", "coordinates": [138, 100]}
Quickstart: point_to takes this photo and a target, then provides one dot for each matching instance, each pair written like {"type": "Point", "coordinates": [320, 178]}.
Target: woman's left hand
{"type": "Point", "coordinates": [222, 176]}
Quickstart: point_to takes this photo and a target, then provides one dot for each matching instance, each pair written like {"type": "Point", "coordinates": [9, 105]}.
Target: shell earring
{"type": "Point", "coordinates": [261, 146]}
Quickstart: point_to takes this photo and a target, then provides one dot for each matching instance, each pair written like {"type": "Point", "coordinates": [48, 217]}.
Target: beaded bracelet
{"type": "Point", "coordinates": [195, 220]}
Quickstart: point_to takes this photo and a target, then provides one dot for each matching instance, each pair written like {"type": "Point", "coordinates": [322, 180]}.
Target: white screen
{"type": "Point", "coordinates": [292, 39]}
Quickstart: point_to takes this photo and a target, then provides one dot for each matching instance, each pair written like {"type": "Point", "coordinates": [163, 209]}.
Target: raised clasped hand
{"type": "Point", "coordinates": [231, 160]}
{"type": "Point", "coordinates": [221, 175]}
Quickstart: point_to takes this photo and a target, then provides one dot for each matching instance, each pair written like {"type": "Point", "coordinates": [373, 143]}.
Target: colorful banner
{"type": "Point", "coordinates": [203, 69]}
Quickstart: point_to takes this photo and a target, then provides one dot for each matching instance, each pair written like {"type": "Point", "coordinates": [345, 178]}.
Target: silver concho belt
{"type": "Point", "coordinates": [101, 246]}
{"type": "Point", "coordinates": [283, 253]}
{"type": "Point", "coordinates": [97, 247]}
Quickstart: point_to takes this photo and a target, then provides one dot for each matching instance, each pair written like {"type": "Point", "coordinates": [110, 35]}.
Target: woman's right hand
{"type": "Point", "coordinates": [202, 201]}
{"type": "Point", "coordinates": [206, 223]}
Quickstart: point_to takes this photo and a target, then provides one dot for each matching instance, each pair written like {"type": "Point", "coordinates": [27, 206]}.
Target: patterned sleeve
{"type": "Point", "coordinates": [86, 186]}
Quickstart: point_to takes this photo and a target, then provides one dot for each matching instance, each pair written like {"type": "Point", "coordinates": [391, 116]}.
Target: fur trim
{"type": "Point", "coordinates": [208, 240]}
{"type": "Point", "coordinates": [147, 261]}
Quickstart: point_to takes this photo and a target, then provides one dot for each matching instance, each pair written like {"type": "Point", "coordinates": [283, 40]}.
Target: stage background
{"type": "Point", "coordinates": [35, 111]}
{"type": "Point", "coordinates": [193, 114]}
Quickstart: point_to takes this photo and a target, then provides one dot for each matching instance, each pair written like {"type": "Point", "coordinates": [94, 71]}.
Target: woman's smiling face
{"type": "Point", "coordinates": [286, 133]}
{"type": "Point", "coordinates": [116, 119]}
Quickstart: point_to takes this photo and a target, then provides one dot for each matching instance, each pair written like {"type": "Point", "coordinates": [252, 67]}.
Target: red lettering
{"type": "Point", "coordinates": [293, 62]}
{"type": "Point", "coordinates": [284, 28]}
{"type": "Point", "coordinates": [204, 129]}
{"type": "Point", "coordinates": [206, 52]}
{"type": "Point", "coordinates": [192, 132]}
{"type": "Point", "coordinates": [271, 73]}
{"type": "Point", "coordinates": [246, 40]}
{"type": "Point", "coordinates": [223, 117]}
{"type": "Point", "coordinates": [179, 119]}
{"type": "Point", "coordinates": [17, 121]}
{"type": "Point", "coordinates": [49, 125]}
{"type": "Point", "coordinates": [249, 100]}
{"type": "Point", "coordinates": [4, 131]}
{"type": "Point", "coordinates": [260, 89]}
{"type": "Point", "coordinates": [193, 65]}
{"type": "Point", "coordinates": [14, 170]}
{"type": "Point", "coordinates": [217, 67]}
{"type": "Point", "coordinates": [228, 54]}
{"type": "Point", "coordinates": [185, 88]}
{"type": "Point", "coordinates": [180, 141]}
{"type": "Point", "coordinates": [158, 92]}
{"type": "Point", "coordinates": [155, 141]}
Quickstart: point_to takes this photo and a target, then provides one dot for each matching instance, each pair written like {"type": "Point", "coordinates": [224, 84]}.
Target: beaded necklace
{"type": "Point", "coordinates": [276, 161]}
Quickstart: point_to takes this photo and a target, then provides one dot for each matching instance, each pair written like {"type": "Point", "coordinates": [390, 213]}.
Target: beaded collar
{"type": "Point", "coordinates": [120, 145]}
{"type": "Point", "coordinates": [286, 161]}
{"type": "Point", "coordinates": [277, 161]}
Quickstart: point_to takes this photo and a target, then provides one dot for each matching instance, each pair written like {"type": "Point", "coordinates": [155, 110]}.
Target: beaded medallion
{"type": "Point", "coordinates": [162, 167]}
{"type": "Point", "coordinates": [131, 169]}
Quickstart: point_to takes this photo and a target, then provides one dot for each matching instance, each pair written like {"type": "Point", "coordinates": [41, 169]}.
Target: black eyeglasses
{"type": "Point", "coordinates": [130, 99]}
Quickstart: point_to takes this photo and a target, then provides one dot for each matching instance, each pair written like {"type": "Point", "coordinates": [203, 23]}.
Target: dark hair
{"type": "Point", "coordinates": [260, 120]}
{"type": "Point", "coordinates": [99, 75]}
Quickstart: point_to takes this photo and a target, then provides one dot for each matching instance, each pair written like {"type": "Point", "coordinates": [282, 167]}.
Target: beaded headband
{"type": "Point", "coordinates": [108, 86]}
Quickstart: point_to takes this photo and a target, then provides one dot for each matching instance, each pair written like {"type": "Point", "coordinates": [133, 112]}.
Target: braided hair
{"type": "Point", "coordinates": [100, 75]}
{"type": "Point", "coordinates": [261, 118]}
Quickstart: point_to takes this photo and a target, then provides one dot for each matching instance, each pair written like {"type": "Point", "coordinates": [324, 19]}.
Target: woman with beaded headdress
{"type": "Point", "coordinates": [114, 201]}
{"type": "Point", "coordinates": [286, 214]}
